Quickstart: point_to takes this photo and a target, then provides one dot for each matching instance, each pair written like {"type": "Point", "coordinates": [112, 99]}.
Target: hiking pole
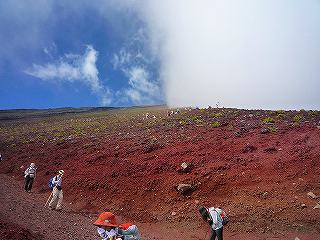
{"type": "Point", "coordinates": [48, 198]}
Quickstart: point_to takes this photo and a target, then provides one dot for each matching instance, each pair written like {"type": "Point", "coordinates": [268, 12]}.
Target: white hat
{"type": "Point", "coordinates": [61, 172]}
{"type": "Point", "coordinates": [32, 165]}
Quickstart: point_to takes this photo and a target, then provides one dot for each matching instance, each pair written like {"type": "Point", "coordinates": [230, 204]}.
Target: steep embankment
{"type": "Point", "coordinates": [257, 165]}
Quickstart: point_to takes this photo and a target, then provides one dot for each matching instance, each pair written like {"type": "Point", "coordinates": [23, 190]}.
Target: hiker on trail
{"type": "Point", "coordinates": [216, 218]}
{"type": "Point", "coordinates": [108, 228]}
{"type": "Point", "coordinates": [57, 193]}
{"type": "Point", "coordinates": [29, 176]}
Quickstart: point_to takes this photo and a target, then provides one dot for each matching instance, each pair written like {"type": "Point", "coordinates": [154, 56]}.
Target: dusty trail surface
{"type": "Point", "coordinates": [23, 216]}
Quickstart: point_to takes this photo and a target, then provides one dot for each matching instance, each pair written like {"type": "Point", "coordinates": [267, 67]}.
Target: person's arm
{"type": "Point", "coordinates": [107, 235]}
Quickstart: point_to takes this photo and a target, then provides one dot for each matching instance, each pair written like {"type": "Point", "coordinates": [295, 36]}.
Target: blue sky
{"type": "Point", "coordinates": [235, 53]}
{"type": "Point", "coordinates": [66, 53]}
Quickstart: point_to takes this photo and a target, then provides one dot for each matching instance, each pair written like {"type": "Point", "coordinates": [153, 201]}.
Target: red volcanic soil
{"type": "Point", "coordinates": [257, 165]}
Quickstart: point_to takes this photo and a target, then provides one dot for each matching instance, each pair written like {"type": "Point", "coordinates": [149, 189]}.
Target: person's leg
{"type": "Point", "coordinates": [30, 184]}
{"type": "Point", "coordinates": [213, 234]}
{"type": "Point", "coordinates": [26, 180]}
{"type": "Point", "coordinates": [60, 199]}
{"type": "Point", "coordinates": [220, 233]}
{"type": "Point", "coordinates": [54, 199]}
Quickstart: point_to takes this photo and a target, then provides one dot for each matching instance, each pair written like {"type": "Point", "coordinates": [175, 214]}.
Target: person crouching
{"type": "Point", "coordinates": [107, 226]}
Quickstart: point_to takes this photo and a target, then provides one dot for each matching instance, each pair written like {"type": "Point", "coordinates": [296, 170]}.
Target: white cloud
{"type": "Point", "coordinates": [141, 89]}
{"type": "Point", "coordinates": [139, 80]}
{"type": "Point", "coordinates": [75, 68]}
{"type": "Point", "coordinates": [243, 53]}
{"type": "Point", "coordinates": [134, 95]}
{"type": "Point", "coordinates": [121, 59]}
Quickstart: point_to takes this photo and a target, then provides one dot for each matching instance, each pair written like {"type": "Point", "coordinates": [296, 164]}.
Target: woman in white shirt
{"type": "Point", "coordinates": [29, 175]}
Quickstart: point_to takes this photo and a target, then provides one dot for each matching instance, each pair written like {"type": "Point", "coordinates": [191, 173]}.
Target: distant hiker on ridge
{"type": "Point", "coordinates": [57, 193]}
{"type": "Point", "coordinates": [216, 218]}
{"type": "Point", "coordinates": [29, 176]}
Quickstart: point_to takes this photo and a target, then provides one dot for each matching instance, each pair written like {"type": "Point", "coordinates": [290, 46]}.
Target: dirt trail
{"type": "Point", "coordinates": [21, 210]}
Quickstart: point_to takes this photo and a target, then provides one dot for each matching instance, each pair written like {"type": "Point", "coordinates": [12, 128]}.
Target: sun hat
{"type": "Point", "coordinates": [61, 172]}
{"type": "Point", "coordinates": [32, 165]}
{"type": "Point", "coordinates": [107, 219]}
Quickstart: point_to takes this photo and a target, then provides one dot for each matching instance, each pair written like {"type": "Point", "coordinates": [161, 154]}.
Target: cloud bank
{"type": "Point", "coordinates": [241, 53]}
{"type": "Point", "coordinates": [74, 68]}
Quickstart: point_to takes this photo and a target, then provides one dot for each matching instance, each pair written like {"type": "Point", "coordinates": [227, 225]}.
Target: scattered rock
{"type": "Point", "coordinates": [317, 206]}
{"type": "Point", "coordinates": [249, 148]}
{"type": "Point", "coordinates": [185, 167]}
{"type": "Point", "coordinates": [241, 131]}
{"type": "Point", "coordinates": [270, 149]}
{"type": "Point", "coordinates": [173, 213]}
{"type": "Point", "coordinates": [265, 131]}
{"type": "Point", "coordinates": [185, 189]}
{"type": "Point", "coordinates": [312, 195]}
{"type": "Point", "coordinates": [303, 205]}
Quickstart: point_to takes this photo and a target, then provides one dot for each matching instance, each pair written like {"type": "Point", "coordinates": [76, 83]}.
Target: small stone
{"type": "Point", "coordinates": [173, 213]}
{"type": "Point", "coordinates": [265, 130]}
{"type": "Point", "coordinates": [312, 195]}
{"type": "Point", "coordinates": [317, 206]}
{"type": "Point", "coordinates": [303, 205]}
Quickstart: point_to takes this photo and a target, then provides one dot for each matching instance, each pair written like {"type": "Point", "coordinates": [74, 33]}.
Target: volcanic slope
{"type": "Point", "coordinates": [257, 165]}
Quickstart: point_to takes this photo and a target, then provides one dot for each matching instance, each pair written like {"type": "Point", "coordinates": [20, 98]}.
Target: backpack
{"type": "Point", "coordinates": [50, 183]}
{"type": "Point", "coordinates": [223, 215]}
{"type": "Point", "coordinates": [129, 231]}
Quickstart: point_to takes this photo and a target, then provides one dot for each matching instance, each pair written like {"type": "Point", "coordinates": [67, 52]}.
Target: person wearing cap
{"type": "Point", "coordinates": [57, 193]}
{"type": "Point", "coordinates": [108, 229]}
{"type": "Point", "coordinates": [107, 226]}
{"type": "Point", "coordinates": [214, 219]}
{"type": "Point", "coordinates": [29, 176]}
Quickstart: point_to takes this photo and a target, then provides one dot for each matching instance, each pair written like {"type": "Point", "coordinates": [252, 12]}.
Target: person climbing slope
{"type": "Point", "coordinates": [216, 218]}
{"type": "Point", "coordinates": [57, 193]}
{"type": "Point", "coordinates": [29, 176]}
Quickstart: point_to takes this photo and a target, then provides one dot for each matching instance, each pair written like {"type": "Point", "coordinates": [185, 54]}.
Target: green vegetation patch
{"type": "Point", "coordinates": [297, 118]}
{"type": "Point", "coordinates": [216, 124]}
{"type": "Point", "coordinates": [313, 113]}
{"type": "Point", "coordinates": [217, 115]}
{"type": "Point", "coordinates": [268, 120]}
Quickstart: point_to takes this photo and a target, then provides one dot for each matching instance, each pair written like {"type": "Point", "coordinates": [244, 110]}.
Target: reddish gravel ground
{"type": "Point", "coordinates": [258, 170]}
